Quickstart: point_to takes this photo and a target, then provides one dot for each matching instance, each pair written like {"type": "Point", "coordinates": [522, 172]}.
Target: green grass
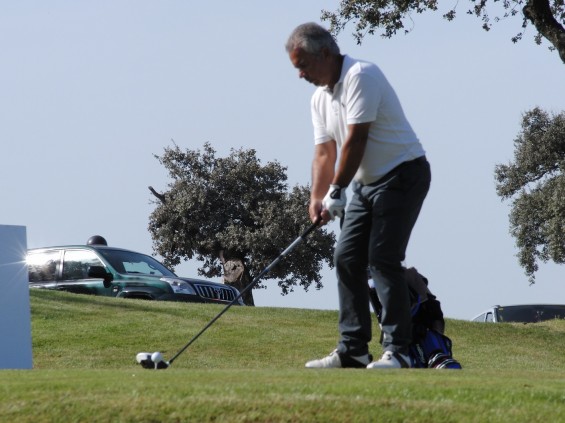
{"type": "Point", "coordinates": [248, 367]}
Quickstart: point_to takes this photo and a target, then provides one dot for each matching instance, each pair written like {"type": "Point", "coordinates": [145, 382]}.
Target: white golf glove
{"type": "Point", "coordinates": [334, 201]}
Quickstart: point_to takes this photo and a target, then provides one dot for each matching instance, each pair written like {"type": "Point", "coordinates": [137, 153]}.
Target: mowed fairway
{"type": "Point", "coordinates": [248, 367]}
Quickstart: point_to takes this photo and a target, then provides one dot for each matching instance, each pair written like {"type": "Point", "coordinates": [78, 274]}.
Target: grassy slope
{"type": "Point", "coordinates": [249, 367]}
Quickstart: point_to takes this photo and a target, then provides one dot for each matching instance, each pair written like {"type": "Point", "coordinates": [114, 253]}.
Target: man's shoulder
{"type": "Point", "coordinates": [358, 66]}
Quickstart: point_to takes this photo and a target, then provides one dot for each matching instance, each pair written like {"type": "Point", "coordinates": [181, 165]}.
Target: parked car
{"type": "Point", "coordinates": [526, 313]}
{"type": "Point", "coordinates": [97, 269]}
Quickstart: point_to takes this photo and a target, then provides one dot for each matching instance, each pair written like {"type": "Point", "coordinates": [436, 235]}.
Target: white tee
{"type": "Point", "coordinates": [361, 95]}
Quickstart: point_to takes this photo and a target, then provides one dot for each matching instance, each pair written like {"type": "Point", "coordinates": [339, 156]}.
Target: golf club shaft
{"type": "Point", "coordinates": [267, 269]}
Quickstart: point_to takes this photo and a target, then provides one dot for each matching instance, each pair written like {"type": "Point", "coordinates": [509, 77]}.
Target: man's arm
{"type": "Point", "coordinates": [352, 153]}
{"type": "Point", "coordinates": [323, 168]}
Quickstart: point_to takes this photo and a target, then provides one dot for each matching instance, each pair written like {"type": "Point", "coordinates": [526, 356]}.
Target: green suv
{"type": "Point", "coordinates": [97, 269]}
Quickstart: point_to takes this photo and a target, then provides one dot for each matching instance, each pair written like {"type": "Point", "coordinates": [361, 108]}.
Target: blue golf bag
{"type": "Point", "coordinates": [430, 347]}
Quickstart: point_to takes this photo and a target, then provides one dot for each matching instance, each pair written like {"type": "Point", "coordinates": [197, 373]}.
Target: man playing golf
{"type": "Point", "coordinates": [356, 112]}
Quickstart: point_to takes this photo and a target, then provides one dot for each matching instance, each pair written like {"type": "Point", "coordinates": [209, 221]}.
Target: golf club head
{"type": "Point", "coordinates": [144, 358]}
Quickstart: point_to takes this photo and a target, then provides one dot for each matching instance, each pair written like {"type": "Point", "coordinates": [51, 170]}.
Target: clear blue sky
{"type": "Point", "coordinates": [91, 90]}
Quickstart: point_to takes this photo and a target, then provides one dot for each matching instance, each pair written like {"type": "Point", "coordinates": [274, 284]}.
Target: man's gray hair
{"type": "Point", "coordinates": [311, 38]}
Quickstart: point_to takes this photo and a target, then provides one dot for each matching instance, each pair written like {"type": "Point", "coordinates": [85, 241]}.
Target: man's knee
{"type": "Point", "coordinates": [387, 266]}
{"type": "Point", "coordinates": [344, 259]}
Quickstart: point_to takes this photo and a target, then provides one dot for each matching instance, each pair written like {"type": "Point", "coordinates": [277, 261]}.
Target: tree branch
{"type": "Point", "coordinates": [538, 12]}
{"type": "Point", "coordinates": [156, 194]}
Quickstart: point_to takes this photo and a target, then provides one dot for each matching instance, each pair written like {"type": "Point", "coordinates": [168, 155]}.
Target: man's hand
{"type": "Point", "coordinates": [334, 202]}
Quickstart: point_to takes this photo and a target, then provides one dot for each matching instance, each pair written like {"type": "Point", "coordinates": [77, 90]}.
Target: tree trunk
{"type": "Point", "coordinates": [538, 12]}
{"type": "Point", "coordinates": [237, 276]}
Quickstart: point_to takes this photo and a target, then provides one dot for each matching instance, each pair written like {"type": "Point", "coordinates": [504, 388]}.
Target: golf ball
{"type": "Point", "coordinates": [156, 357]}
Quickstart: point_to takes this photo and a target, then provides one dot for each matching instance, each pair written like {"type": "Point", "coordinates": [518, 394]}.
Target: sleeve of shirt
{"type": "Point", "coordinates": [362, 98]}
{"type": "Point", "coordinates": [321, 134]}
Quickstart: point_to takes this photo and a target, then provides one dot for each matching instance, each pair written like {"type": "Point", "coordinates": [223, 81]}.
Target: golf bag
{"type": "Point", "coordinates": [430, 348]}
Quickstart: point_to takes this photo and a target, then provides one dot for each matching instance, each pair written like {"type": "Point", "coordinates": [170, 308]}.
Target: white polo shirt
{"type": "Point", "coordinates": [361, 95]}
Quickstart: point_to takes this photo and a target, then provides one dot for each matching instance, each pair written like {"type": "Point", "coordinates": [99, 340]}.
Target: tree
{"type": "Point", "coordinates": [236, 216]}
{"type": "Point", "coordinates": [536, 182]}
{"type": "Point", "coordinates": [547, 16]}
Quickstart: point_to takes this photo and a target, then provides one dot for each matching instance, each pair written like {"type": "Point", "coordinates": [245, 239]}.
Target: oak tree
{"type": "Point", "coordinates": [236, 215]}
{"type": "Point", "coordinates": [535, 181]}
{"type": "Point", "coordinates": [391, 16]}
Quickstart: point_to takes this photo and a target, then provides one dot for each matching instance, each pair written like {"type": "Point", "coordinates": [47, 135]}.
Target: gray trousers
{"type": "Point", "coordinates": [375, 233]}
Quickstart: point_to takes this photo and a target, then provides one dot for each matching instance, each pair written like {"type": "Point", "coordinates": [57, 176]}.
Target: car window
{"type": "Point", "coordinates": [42, 267]}
{"type": "Point", "coordinates": [554, 312]}
{"type": "Point", "coordinates": [139, 267]}
{"type": "Point", "coordinates": [531, 313]}
{"type": "Point", "coordinates": [129, 262]}
{"type": "Point", "coordinates": [489, 317]}
{"type": "Point", "coordinates": [77, 262]}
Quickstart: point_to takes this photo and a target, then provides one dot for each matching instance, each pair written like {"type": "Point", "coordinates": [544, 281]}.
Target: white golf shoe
{"type": "Point", "coordinates": [338, 360]}
{"type": "Point", "coordinates": [391, 360]}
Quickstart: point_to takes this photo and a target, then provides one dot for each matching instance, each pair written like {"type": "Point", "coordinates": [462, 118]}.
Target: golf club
{"type": "Point", "coordinates": [156, 361]}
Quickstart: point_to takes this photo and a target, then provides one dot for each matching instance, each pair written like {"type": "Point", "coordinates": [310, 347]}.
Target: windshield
{"type": "Point", "coordinates": [531, 313]}
{"type": "Point", "coordinates": [128, 262]}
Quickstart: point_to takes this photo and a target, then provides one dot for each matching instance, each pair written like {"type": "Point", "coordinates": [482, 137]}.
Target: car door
{"type": "Point", "coordinates": [75, 269]}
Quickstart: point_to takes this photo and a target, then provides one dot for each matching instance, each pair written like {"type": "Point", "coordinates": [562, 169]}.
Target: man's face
{"type": "Point", "coordinates": [312, 67]}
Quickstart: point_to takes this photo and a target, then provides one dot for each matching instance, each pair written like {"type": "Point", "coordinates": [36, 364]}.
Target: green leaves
{"type": "Point", "coordinates": [238, 207]}
{"type": "Point", "coordinates": [535, 180]}
{"type": "Point", "coordinates": [391, 16]}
